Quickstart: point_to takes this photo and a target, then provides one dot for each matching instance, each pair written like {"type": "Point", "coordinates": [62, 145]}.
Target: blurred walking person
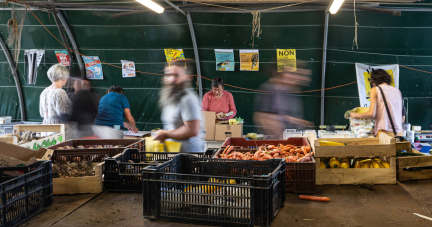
{"type": "Point", "coordinates": [181, 111]}
{"type": "Point", "coordinates": [85, 108]}
{"type": "Point", "coordinates": [277, 108]}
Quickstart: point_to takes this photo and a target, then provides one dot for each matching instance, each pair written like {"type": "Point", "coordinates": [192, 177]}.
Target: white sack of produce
{"type": "Point", "coordinates": [362, 127]}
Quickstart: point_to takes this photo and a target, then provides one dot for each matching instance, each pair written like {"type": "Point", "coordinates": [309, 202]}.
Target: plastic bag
{"type": "Point", "coordinates": [362, 127]}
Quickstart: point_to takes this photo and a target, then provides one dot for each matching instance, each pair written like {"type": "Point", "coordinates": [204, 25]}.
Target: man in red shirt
{"type": "Point", "coordinates": [220, 101]}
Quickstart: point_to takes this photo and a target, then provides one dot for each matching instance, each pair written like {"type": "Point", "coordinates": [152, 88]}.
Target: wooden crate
{"type": "Point", "coordinates": [414, 162]}
{"type": "Point", "coordinates": [36, 144]}
{"type": "Point", "coordinates": [361, 148]}
{"type": "Point", "coordinates": [79, 185]}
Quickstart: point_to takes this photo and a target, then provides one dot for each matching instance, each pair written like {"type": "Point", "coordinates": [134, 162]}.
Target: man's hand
{"type": "Point", "coordinates": [220, 115]}
{"type": "Point", "coordinates": [127, 125]}
{"type": "Point", "coordinates": [130, 127]}
{"type": "Point", "coordinates": [161, 135]}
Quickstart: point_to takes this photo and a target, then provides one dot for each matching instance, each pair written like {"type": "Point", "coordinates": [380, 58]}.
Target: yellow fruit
{"type": "Point", "coordinates": [330, 143]}
{"type": "Point", "coordinates": [334, 163]}
{"type": "Point", "coordinates": [362, 109]}
{"type": "Point", "coordinates": [213, 180]}
{"type": "Point", "coordinates": [322, 165]}
{"type": "Point", "coordinates": [366, 165]}
{"type": "Point", "coordinates": [375, 164]}
{"type": "Point", "coordinates": [385, 164]}
{"type": "Point", "coordinates": [358, 164]}
{"type": "Point", "coordinates": [344, 165]}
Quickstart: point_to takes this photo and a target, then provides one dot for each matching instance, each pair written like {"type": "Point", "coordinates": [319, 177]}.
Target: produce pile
{"type": "Point", "coordinates": [25, 137]}
{"type": "Point", "coordinates": [67, 169]}
{"type": "Point", "coordinates": [288, 152]}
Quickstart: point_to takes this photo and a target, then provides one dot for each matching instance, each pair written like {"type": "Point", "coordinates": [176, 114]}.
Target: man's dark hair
{"type": "Point", "coordinates": [117, 89]}
{"type": "Point", "coordinates": [216, 82]}
{"type": "Point", "coordinates": [379, 76]}
{"type": "Point", "coordinates": [185, 63]}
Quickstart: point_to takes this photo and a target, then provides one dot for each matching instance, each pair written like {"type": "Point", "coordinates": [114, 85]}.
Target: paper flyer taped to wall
{"type": "Point", "coordinates": [286, 60]}
{"type": "Point", "coordinates": [128, 68]}
{"type": "Point", "coordinates": [249, 60]}
{"type": "Point", "coordinates": [224, 59]}
{"type": "Point", "coordinates": [62, 57]}
{"type": "Point", "coordinates": [174, 54]}
{"type": "Point", "coordinates": [363, 79]}
{"type": "Point", "coordinates": [93, 67]}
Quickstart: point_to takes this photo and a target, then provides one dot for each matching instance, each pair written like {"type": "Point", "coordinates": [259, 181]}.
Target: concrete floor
{"type": "Point", "coordinates": [355, 206]}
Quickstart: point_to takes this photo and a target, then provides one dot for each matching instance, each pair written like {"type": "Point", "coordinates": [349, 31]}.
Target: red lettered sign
{"type": "Point", "coordinates": [62, 57]}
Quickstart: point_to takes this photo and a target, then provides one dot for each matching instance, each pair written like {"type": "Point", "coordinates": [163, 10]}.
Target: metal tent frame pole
{"type": "Point", "coordinates": [324, 62]}
{"type": "Point", "coordinates": [195, 46]}
{"type": "Point", "coordinates": [71, 39]}
{"type": "Point", "coordinates": [16, 78]}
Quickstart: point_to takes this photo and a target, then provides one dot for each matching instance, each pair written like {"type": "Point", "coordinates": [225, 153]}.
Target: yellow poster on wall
{"type": "Point", "coordinates": [174, 54]}
{"type": "Point", "coordinates": [249, 60]}
{"type": "Point", "coordinates": [286, 58]}
{"type": "Point", "coordinates": [368, 85]}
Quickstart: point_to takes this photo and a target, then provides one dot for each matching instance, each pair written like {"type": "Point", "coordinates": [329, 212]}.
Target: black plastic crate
{"type": "Point", "coordinates": [124, 171]}
{"type": "Point", "coordinates": [300, 177]}
{"type": "Point", "coordinates": [24, 196]}
{"type": "Point", "coordinates": [214, 191]}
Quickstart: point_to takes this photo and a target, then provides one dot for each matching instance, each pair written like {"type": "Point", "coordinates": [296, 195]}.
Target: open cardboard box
{"type": "Point", "coordinates": [14, 155]}
{"type": "Point", "coordinates": [225, 130]}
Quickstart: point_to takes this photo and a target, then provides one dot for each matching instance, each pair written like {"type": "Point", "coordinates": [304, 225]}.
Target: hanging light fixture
{"type": "Point", "coordinates": [334, 6]}
{"type": "Point", "coordinates": [152, 5]}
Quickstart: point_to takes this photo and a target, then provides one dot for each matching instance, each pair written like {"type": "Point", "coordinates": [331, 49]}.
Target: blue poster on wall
{"type": "Point", "coordinates": [93, 67]}
{"type": "Point", "coordinates": [224, 59]}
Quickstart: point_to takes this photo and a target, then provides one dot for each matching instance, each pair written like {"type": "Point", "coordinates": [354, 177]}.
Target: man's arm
{"type": "Point", "coordinates": [298, 121]}
{"type": "Point", "coordinates": [190, 129]}
{"type": "Point", "coordinates": [232, 107]}
{"type": "Point", "coordinates": [130, 120]}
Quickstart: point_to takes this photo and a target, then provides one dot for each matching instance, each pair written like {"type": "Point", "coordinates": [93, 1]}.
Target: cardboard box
{"type": "Point", "coordinates": [224, 130]}
{"type": "Point", "coordinates": [210, 124]}
{"type": "Point", "coordinates": [13, 155]}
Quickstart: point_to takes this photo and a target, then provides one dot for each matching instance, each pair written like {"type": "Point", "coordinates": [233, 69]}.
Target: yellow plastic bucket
{"type": "Point", "coordinates": [172, 146]}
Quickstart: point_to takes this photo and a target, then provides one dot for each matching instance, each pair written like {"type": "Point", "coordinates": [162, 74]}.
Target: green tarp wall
{"type": "Point", "coordinates": [382, 39]}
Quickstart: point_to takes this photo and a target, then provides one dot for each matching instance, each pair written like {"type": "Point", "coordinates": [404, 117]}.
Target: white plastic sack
{"type": "Point", "coordinates": [362, 127]}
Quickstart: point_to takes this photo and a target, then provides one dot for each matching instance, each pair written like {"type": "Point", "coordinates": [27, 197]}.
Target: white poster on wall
{"type": "Point", "coordinates": [363, 79]}
{"type": "Point", "coordinates": [128, 68]}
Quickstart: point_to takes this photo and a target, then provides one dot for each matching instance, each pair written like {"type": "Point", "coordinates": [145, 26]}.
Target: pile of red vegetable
{"type": "Point", "coordinates": [288, 152]}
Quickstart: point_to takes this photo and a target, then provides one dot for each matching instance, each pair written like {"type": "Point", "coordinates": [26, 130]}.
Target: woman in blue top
{"type": "Point", "coordinates": [113, 108]}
